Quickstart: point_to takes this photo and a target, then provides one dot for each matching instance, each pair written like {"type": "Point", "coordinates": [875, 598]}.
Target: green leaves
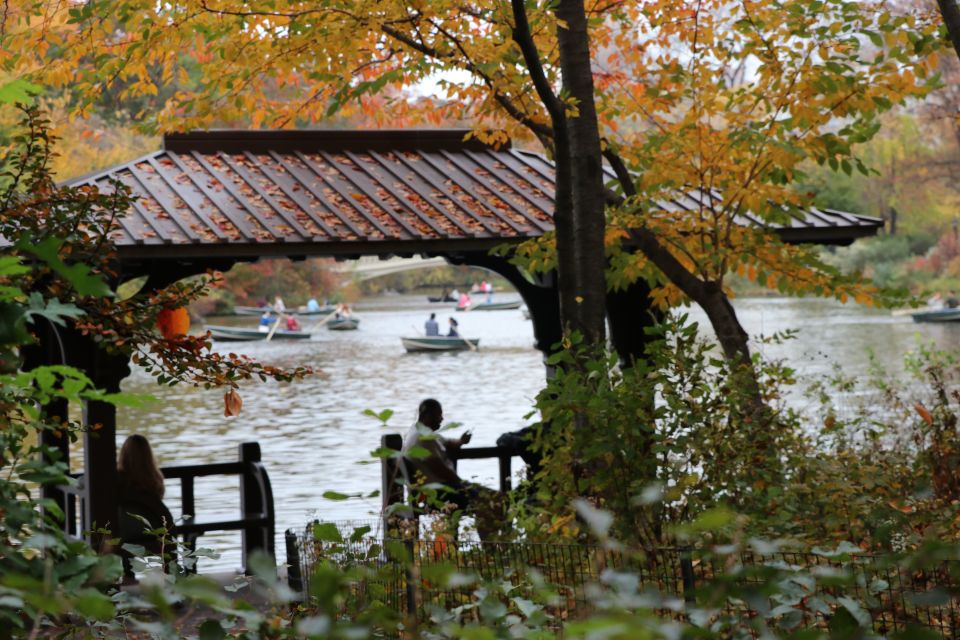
{"type": "Point", "coordinates": [383, 416]}
{"type": "Point", "coordinates": [52, 309]}
{"type": "Point", "coordinates": [211, 630]}
{"type": "Point", "coordinates": [79, 275]}
{"type": "Point", "coordinates": [93, 604]}
{"type": "Point", "coordinates": [327, 532]}
{"type": "Point", "coordinates": [19, 90]}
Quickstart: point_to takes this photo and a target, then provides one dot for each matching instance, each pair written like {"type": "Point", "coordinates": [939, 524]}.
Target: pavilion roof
{"type": "Point", "coordinates": [241, 194]}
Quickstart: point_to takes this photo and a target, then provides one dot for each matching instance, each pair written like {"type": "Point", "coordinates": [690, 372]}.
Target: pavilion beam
{"type": "Point", "coordinates": [541, 299]}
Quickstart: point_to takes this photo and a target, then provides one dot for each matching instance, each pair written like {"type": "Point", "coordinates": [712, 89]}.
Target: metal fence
{"type": "Point", "coordinates": [896, 597]}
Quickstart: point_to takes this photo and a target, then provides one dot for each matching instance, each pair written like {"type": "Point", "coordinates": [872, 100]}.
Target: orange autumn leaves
{"type": "Point", "coordinates": [232, 403]}
{"type": "Point", "coordinates": [725, 97]}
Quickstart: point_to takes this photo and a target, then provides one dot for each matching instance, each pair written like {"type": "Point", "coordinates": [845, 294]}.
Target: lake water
{"type": "Point", "coordinates": [315, 438]}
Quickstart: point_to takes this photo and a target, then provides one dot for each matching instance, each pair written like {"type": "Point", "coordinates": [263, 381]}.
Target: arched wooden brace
{"type": "Point", "coordinates": [628, 310]}
{"type": "Point", "coordinates": [541, 299]}
{"type": "Point", "coordinates": [64, 345]}
{"type": "Point", "coordinates": [162, 273]}
{"type": "Point", "coordinates": [50, 350]}
{"type": "Point", "coordinates": [628, 315]}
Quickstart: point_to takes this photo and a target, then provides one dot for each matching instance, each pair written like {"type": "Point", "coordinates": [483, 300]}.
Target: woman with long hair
{"type": "Point", "coordinates": [140, 494]}
{"type": "Point", "coordinates": [138, 468]}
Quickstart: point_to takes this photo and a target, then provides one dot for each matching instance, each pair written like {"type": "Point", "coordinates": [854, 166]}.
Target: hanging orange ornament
{"type": "Point", "coordinates": [173, 323]}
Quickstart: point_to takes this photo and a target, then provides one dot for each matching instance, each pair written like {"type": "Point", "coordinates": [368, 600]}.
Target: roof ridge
{"type": "Point", "coordinates": [309, 140]}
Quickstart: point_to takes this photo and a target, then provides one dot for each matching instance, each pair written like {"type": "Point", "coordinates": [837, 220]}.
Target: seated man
{"type": "Point", "coordinates": [436, 466]}
{"type": "Point", "coordinates": [430, 327]}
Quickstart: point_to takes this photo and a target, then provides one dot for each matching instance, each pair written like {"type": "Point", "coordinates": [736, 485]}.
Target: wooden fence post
{"type": "Point", "coordinates": [391, 491]}
{"type": "Point", "coordinates": [687, 575]}
{"type": "Point", "coordinates": [294, 568]}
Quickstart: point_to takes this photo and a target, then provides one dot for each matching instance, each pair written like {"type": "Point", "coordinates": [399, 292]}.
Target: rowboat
{"type": "Point", "coordinates": [240, 310]}
{"type": "Point", "coordinates": [237, 334]}
{"type": "Point", "coordinates": [447, 298]}
{"type": "Point", "coordinates": [343, 324]}
{"type": "Point", "coordinates": [937, 315]}
{"type": "Point", "coordinates": [439, 343]}
{"type": "Point", "coordinates": [492, 306]}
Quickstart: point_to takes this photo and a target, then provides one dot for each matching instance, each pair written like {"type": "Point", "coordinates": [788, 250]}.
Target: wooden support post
{"type": "Point", "coordinates": [100, 465]}
{"type": "Point", "coordinates": [505, 473]}
{"type": "Point", "coordinates": [628, 314]}
{"type": "Point", "coordinates": [101, 509]}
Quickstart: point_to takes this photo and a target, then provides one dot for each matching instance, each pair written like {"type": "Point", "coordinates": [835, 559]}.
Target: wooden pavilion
{"type": "Point", "coordinates": [208, 200]}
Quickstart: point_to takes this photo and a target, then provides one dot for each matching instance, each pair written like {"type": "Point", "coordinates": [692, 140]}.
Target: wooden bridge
{"type": "Point", "coordinates": [370, 267]}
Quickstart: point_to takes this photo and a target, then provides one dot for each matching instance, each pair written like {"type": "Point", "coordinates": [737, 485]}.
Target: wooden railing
{"type": "Point", "coordinates": [257, 522]}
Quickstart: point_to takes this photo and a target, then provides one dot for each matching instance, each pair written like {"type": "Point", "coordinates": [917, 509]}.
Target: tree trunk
{"type": "Point", "coordinates": [950, 11]}
{"type": "Point", "coordinates": [579, 196]}
{"type": "Point", "coordinates": [564, 229]}
{"type": "Point", "coordinates": [583, 296]}
{"type": "Point", "coordinates": [730, 333]}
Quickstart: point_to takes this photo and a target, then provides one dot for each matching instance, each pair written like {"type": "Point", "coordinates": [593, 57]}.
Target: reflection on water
{"type": "Point", "coordinates": [314, 437]}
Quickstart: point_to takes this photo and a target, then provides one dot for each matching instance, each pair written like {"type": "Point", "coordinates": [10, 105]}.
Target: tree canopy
{"type": "Point", "coordinates": [723, 97]}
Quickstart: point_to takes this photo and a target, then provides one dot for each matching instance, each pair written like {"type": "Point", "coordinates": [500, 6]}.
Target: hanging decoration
{"type": "Point", "coordinates": [173, 323]}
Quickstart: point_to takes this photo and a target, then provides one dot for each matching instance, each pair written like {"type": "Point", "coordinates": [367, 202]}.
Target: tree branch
{"type": "Point", "coordinates": [523, 38]}
{"type": "Point", "coordinates": [950, 11]}
{"type": "Point", "coordinates": [620, 168]}
{"type": "Point", "coordinates": [539, 129]}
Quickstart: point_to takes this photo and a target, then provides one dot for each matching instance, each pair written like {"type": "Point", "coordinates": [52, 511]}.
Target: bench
{"type": "Point", "coordinates": [394, 474]}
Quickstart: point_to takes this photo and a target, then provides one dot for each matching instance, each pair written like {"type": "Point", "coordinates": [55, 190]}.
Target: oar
{"type": "Point", "coordinates": [472, 346]}
{"type": "Point", "coordinates": [905, 312]}
{"type": "Point", "coordinates": [320, 323]}
{"type": "Point", "coordinates": [273, 329]}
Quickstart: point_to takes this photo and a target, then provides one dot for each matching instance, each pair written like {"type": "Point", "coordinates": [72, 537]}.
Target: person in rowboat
{"type": "Point", "coordinates": [430, 327]}
{"type": "Point", "coordinates": [265, 321]}
{"type": "Point", "coordinates": [437, 466]}
{"type": "Point", "coordinates": [453, 329]}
